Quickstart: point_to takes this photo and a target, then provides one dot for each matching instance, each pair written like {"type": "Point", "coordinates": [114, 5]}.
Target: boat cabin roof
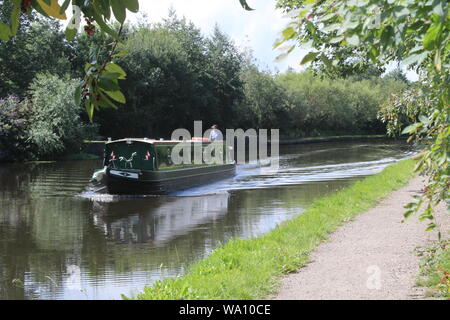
{"type": "Point", "coordinates": [156, 142]}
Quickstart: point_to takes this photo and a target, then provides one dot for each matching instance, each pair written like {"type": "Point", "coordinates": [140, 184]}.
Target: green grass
{"type": "Point", "coordinates": [435, 269]}
{"type": "Point", "coordinates": [250, 269]}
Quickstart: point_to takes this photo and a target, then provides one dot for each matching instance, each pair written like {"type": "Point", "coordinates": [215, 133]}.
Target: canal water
{"type": "Point", "coordinates": [60, 240]}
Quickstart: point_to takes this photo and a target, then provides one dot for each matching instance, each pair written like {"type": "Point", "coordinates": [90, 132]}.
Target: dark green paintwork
{"type": "Point", "coordinates": [125, 150]}
{"type": "Point", "coordinates": [159, 155]}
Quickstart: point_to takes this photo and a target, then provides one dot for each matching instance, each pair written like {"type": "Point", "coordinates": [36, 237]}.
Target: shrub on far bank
{"type": "Point", "coordinates": [45, 125]}
{"type": "Point", "coordinates": [321, 106]}
{"type": "Point", "coordinates": [14, 127]}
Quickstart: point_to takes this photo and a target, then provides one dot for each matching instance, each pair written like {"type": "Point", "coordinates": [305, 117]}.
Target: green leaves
{"type": "Point", "coordinates": [412, 128]}
{"type": "Point", "coordinates": [119, 10]}
{"type": "Point", "coordinates": [51, 8]}
{"type": "Point", "coordinates": [431, 38]}
{"type": "Point", "coordinates": [412, 207]}
{"type": "Point", "coordinates": [396, 33]}
{"type": "Point", "coordinates": [90, 107]}
{"type": "Point", "coordinates": [101, 86]}
{"type": "Point", "coordinates": [285, 54]}
{"type": "Point", "coordinates": [379, 32]}
{"type": "Point", "coordinates": [309, 57]}
{"type": "Point", "coordinates": [70, 34]}
{"type": "Point", "coordinates": [109, 82]}
{"type": "Point", "coordinates": [245, 5]}
{"type": "Point", "coordinates": [116, 95]}
{"type": "Point", "coordinates": [99, 11]}
{"type": "Point", "coordinates": [15, 17]}
{"type": "Point", "coordinates": [288, 33]}
{"type": "Point", "coordinates": [132, 5]}
{"type": "Point", "coordinates": [353, 40]}
{"type": "Point", "coordinates": [115, 70]}
{"type": "Point", "coordinates": [439, 7]}
{"type": "Point", "coordinates": [5, 32]}
{"type": "Point", "coordinates": [415, 58]}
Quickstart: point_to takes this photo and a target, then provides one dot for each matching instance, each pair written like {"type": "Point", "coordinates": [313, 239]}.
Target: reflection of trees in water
{"type": "Point", "coordinates": [26, 270]}
{"type": "Point", "coordinates": [36, 249]}
{"type": "Point", "coordinates": [40, 234]}
{"type": "Point", "coordinates": [61, 179]}
{"type": "Point", "coordinates": [58, 232]}
{"type": "Point", "coordinates": [14, 179]}
{"type": "Point", "coordinates": [147, 233]}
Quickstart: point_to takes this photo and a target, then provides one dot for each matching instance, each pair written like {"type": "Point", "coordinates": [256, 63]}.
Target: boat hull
{"type": "Point", "coordinates": [129, 181]}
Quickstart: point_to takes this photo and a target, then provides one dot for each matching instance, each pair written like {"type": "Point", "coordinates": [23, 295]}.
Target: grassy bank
{"type": "Point", "coordinates": [435, 269]}
{"type": "Point", "coordinates": [249, 269]}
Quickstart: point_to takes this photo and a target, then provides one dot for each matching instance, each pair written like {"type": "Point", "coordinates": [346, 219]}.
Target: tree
{"type": "Point", "coordinates": [21, 59]}
{"type": "Point", "coordinates": [161, 86]}
{"type": "Point", "coordinates": [397, 74]}
{"type": "Point", "coordinates": [100, 87]}
{"type": "Point", "coordinates": [52, 98]}
{"type": "Point", "coordinates": [100, 84]}
{"type": "Point", "coordinates": [45, 124]}
{"type": "Point", "coordinates": [320, 105]}
{"type": "Point", "coordinates": [266, 99]}
{"type": "Point", "coordinates": [371, 31]}
{"type": "Point", "coordinates": [176, 76]}
{"type": "Point", "coordinates": [223, 80]}
{"type": "Point", "coordinates": [14, 126]}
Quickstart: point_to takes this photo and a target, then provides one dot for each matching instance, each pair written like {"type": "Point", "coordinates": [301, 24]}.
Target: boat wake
{"type": "Point", "coordinates": [255, 177]}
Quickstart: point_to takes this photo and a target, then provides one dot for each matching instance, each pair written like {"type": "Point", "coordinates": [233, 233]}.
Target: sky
{"type": "Point", "coordinates": [256, 30]}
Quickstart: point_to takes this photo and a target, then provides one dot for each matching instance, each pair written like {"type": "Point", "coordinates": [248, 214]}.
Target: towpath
{"type": "Point", "coordinates": [371, 257]}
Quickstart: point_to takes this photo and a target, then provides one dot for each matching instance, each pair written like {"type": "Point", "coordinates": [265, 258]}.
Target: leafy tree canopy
{"type": "Point", "coordinates": [415, 32]}
{"type": "Point", "coordinates": [100, 87]}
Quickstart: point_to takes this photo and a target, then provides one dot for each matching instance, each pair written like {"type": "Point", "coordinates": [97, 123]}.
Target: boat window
{"type": "Point", "coordinates": [164, 159]}
{"type": "Point", "coordinates": [163, 154]}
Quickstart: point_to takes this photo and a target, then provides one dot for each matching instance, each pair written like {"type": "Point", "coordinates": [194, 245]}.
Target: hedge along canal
{"type": "Point", "coordinates": [250, 269]}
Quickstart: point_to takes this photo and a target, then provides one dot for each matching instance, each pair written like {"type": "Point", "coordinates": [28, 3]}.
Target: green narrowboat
{"type": "Point", "coordinates": [147, 166]}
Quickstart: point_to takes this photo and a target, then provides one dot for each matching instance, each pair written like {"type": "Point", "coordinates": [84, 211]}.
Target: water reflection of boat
{"type": "Point", "coordinates": [158, 220]}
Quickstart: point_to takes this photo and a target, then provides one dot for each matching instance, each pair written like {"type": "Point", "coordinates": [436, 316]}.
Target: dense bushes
{"type": "Point", "coordinates": [330, 106]}
{"type": "Point", "coordinates": [175, 76]}
{"type": "Point", "coordinates": [44, 125]}
{"type": "Point", "coordinates": [56, 125]}
{"type": "Point", "coordinates": [38, 47]}
{"type": "Point", "coordinates": [14, 126]}
{"type": "Point", "coordinates": [266, 103]}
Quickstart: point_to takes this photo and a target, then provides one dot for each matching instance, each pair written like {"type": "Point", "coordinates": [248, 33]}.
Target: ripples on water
{"type": "Point", "coordinates": [61, 241]}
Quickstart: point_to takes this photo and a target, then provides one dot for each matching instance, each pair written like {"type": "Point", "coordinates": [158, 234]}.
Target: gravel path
{"type": "Point", "coordinates": [371, 257]}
